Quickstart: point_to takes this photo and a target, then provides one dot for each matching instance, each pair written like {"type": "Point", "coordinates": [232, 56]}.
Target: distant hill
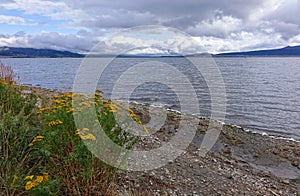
{"type": "Point", "coordinates": [32, 52]}
{"type": "Point", "coordinates": [286, 51]}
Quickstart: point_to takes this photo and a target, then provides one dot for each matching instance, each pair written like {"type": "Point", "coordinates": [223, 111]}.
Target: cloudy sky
{"type": "Point", "coordinates": [220, 26]}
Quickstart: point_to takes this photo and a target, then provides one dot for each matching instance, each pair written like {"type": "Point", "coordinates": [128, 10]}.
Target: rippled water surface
{"type": "Point", "coordinates": [263, 94]}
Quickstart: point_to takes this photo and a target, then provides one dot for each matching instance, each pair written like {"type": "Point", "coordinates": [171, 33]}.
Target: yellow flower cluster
{"type": "Point", "coordinates": [63, 95]}
{"type": "Point", "coordinates": [35, 139]}
{"type": "Point", "coordinates": [116, 108]}
{"type": "Point", "coordinates": [56, 122]}
{"type": "Point", "coordinates": [69, 110]}
{"type": "Point", "coordinates": [99, 92]}
{"type": "Point", "coordinates": [60, 102]}
{"type": "Point", "coordinates": [83, 134]}
{"type": "Point", "coordinates": [3, 83]}
{"type": "Point", "coordinates": [43, 110]}
{"type": "Point", "coordinates": [33, 183]}
{"type": "Point", "coordinates": [136, 119]}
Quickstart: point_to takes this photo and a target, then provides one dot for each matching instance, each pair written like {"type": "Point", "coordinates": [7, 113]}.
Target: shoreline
{"type": "Point", "coordinates": [263, 133]}
{"type": "Point", "coordinates": [251, 130]}
{"type": "Point", "coordinates": [246, 162]}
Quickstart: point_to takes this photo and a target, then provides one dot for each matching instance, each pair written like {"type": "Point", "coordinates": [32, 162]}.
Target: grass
{"type": "Point", "coordinates": [43, 153]}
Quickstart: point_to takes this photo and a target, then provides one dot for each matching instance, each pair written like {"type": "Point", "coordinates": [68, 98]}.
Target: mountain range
{"type": "Point", "coordinates": [286, 51]}
{"type": "Point", "coordinates": [32, 52]}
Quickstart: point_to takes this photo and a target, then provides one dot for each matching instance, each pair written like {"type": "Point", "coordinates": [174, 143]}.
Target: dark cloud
{"type": "Point", "coordinates": [287, 11]}
{"type": "Point", "coordinates": [119, 19]}
{"type": "Point", "coordinates": [197, 17]}
{"type": "Point", "coordinates": [287, 30]}
{"type": "Point", "coordinates": [165, 8]}
{"type": "Point", "coordinates": [221, 25]}
{"type": "Point", "coordinates": [179, 14]}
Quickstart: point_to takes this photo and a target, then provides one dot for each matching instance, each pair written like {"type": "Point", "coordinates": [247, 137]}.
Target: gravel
{"type": "Point", "coordinates": [240, 163]}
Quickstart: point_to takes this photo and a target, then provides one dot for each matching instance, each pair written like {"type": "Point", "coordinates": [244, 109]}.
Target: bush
{"type": "Point", "coordinates": [42, 152]}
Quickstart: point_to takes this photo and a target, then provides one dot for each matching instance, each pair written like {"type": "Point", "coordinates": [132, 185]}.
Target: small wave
{"type": "Point", "coordinates": [257, 131]}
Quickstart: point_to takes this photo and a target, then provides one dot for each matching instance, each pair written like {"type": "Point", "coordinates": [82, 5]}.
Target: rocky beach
{"type": "Point", "coordinates": [240, 163]}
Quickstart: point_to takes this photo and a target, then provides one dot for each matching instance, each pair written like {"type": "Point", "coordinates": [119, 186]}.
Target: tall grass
{"type": "Point", "coordinates": [42, 152]}
{"type": "Point", "coordinates": [18, 124]}
{"type": "Point", "coordinates": [6, 72]}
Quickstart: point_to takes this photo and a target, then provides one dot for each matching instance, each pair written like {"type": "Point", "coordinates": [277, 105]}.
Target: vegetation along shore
{"type": "Point", "coordinates": [43, 153]}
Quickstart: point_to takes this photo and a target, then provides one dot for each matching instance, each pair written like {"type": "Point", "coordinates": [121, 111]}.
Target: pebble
{"type": "Point", "coordinates": [286, 181]}
{"type": "Point", "coordinates": [214, 173]}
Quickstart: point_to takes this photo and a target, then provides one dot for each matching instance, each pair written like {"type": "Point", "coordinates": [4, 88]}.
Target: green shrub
{"type": "Point", "coordinates": [42, 151]}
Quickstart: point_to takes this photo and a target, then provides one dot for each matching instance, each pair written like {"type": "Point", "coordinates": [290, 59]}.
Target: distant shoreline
{"type": "Point", "coordinates": [14, 52]}
{"type": "Point", "coordinates": [212, 56]}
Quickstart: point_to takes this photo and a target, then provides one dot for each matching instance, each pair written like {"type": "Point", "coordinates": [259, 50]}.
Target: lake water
{"type": "Point", "coordinates": [263, 94]}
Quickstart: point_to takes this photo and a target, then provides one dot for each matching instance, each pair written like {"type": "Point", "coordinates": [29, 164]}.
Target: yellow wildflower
{"type": "Point", "coordinates": [70, 110]}
{"type": "Point", "coordinates": [43, 110]}
{"type": "Point", "coordinates": [88, 137]}
{"type": "Point", "coordinates": [56, 122]}
{"type": "Point", "coordinates": [85, 136]}
{"type": "Point", "coordinates": [33, 183]}
{"type": "Point", "coordinates": [45, 176]}
{"type": "Point", "coordinates": [85, 129]}
{"type": "Point", "coordinates": [29, 177]}
{"type": "Point", "coordinates": [39, 137]}
{"type": "Point", "coordinates": [58, 107]}
{"type": "Point", "coordinates": [28, 185]}
{"type": "Point", "coordinates": [3, 83]}
{"type": "Point", "coordinates": [39, 179]}
{"type": "Point", "coordinates": [68, 95]}
{"type": "Point", "coordinates": [146, 130]}
{"type": "Point", "coordinates": [57, 101]}
{"type": "Point", "coordinates": [116, 106]}
{"type": "Point", "coordinates": [134, 117]}
{"type": "Point", "coordinates": [106, 105]}
{"type": "Point", "coordinates": [14, 181]}
{"type": "Point", "coordinates": [35, 139]}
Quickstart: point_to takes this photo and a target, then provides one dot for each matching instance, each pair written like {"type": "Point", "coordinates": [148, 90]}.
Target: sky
{"type": "Point", "coordinates": [219, 26]}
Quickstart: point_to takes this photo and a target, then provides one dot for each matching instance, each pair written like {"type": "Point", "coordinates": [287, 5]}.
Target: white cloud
{"type": "Point", "coordinates": [150, 38]}
{"type": "Point", "coordinates": [242, 41]}
{"type": "Point", "coordinates": [51, 40]}
{"type": "Point", "coordinates": [220, 26]}
{"type": "Point", "coordinates": [293, 41]}
{"type": "Point", "coordinates": [148, 51]}
{"type": "Point", "coordinates": [4, 19]}
{"type": "Point", "coordinates": [58, 10]}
